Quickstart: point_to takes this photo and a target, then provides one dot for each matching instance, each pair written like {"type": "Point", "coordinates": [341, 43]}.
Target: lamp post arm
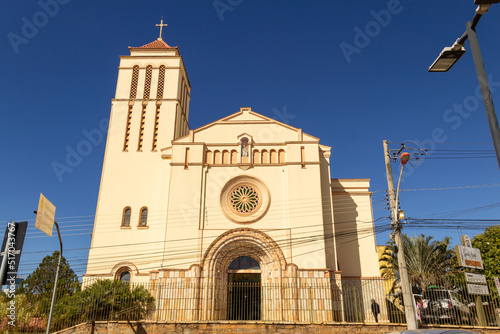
{"type": "Point", "coordinates": [397, 191]}
{"type": "Point", "coordinates": [475, 20]}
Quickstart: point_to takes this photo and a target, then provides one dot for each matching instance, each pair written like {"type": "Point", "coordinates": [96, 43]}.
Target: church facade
{"type": "Point", "coordinates": [243, 200]}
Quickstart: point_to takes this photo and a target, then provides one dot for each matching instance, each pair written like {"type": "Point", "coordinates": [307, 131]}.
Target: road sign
{"type": "Point", "coordinates": [469, 257]}
{"type": "Point", "coordinates": [45, 216]}
{"type": "Point", "coordinates": [475, 278]}
{"type": "Point", "coordinates": [477, 289]}
{"type": "Point", "coordinates": [11, 251]}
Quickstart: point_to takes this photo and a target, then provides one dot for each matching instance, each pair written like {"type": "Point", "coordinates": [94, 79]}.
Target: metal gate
{"type": "Point", "coordinates": [244, 297]}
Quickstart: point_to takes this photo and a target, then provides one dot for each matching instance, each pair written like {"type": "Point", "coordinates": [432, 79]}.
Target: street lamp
{"type": "Point", "coordinates": [450, 55]}
{"type": "Point", "coordinates": [404, 158]}
{"type": "Point", "coordinates": [447, 58]}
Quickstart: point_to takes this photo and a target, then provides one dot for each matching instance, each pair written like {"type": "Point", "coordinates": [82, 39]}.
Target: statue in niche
{"type": "Point", "coordinates": [244, 147]}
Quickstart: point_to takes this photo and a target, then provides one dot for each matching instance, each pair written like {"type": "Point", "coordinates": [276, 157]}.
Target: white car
{"type": "Point", "coordinates": [441, 305]}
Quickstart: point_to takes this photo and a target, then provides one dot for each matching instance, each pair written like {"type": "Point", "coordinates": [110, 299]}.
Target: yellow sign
{"type": "Point", "coordinates": [45, 216]}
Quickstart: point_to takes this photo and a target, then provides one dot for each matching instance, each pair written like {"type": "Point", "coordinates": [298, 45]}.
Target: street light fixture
{"type": "Point", "coordinates": [447, 58]}
{"type": "Point", "coordinates": [450, 55]}
{"type": "Point", "coordinates": [404, 158]}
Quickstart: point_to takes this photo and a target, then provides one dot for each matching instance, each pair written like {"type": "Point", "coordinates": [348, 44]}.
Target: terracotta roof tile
{"type": "Point", "coordinates": [157, 44]}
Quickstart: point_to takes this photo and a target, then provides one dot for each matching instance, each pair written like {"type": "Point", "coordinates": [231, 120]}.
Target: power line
{"type": "Point", "coordinates": [189, 251]}
{"type": "Point", "coordinates": [458, 187]}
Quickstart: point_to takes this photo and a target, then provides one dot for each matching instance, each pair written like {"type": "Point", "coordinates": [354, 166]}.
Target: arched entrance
{"type": "Point", "coordinates": [244, 289]}
{"type": "Point", "coordinates": [232, 248]}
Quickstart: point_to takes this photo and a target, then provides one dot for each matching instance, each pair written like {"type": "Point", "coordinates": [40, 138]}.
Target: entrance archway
{"type": "Point", "coordinates": [234, 244]}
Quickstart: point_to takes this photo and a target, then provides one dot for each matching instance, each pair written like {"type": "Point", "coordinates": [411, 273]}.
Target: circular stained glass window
{"type": "Point", "coordinates": [244, 199]}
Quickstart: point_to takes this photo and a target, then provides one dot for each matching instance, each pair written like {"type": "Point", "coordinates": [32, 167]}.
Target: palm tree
{"type": "Point", "coordinates": [427, 260]}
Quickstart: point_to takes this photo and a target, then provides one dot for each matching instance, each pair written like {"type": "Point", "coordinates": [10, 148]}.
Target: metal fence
{"type": "Point", "coordinates": [446, 302]}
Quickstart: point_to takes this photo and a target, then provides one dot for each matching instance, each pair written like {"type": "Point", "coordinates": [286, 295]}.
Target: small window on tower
{"type": "Point", "coordinates": [127, 212]}
{"type": "Point", "coordinates": [133, 84]}
{"type": "Point", "coordinates": [144, 217]}
{"type": "Point", "coordinates": [161, 82]}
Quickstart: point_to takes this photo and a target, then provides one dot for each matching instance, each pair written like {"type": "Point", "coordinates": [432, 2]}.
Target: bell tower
{"type": "Point", "coordinates": [149, 110]}
{"type": "Point", "coordinates": [152, 98]}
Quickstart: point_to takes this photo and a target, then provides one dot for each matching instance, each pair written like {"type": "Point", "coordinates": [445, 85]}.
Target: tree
{"type": "Point", "coordinates": [103, 300]}
{"type": "Point", "coordinates": [427, 260]}
{"type": "Point", "coordinates": [40, 283]}
{"type": "Point", "coordinates": [489, 245]}
{"type": "Point", "coordinates": [24, 310]}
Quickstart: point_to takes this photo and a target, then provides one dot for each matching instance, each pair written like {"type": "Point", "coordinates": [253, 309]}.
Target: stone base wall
{"type": "Point", "coordinates": [295, 295]}
{"type": "Point", "coordinates": [222, 327]}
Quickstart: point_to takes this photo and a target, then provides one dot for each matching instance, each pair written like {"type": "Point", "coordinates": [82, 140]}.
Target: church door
{"type": "Point", "coordinates": [244, 290]}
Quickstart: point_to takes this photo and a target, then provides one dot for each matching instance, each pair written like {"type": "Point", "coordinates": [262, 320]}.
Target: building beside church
{"type": "Point", "coordinates": [243, 200]}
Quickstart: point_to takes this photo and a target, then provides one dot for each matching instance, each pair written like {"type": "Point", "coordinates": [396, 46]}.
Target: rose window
{"type": "Point", "coordinates": [244, 199]}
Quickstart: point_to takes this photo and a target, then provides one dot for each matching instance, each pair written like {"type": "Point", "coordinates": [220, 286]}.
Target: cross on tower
{"type": "Point", "coordinates": [161, 25]}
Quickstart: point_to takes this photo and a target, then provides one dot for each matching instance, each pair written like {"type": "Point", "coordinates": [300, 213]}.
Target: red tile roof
{"type": "Point", "coordinates": [157, 44]}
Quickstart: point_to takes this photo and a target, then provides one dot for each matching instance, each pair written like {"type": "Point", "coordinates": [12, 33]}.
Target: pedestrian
{"type": "Point", "coordinates": [375, 309]}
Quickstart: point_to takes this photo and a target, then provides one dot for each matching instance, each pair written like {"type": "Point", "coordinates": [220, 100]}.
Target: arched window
{"type": "Point", "coordinates": [125, 276]}
{"type": "Point", "coordinates": [225, 157]}
{"type": "Point", "coordinates": [127, 212]}
{"type": "Point", "coordinates": [274, 157]}
{"type": "Point", "coordinates": [208, 158]}
{"type": "Point", "coordinates": [265, 157]}
{"type": "Point", "coordinates": [234, 157]}
{"type": "Point", "coordinates": [217, 159]}
{"type": "Point", "coordinates": [281, 156]}
{"type": "Point", "coordinates": [143, 218]}
{"type": "Point", "coordinates": [256, 157]}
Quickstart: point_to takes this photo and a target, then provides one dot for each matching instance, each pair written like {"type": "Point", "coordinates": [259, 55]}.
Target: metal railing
{"type": "Point", "coordinates": [442, 303]}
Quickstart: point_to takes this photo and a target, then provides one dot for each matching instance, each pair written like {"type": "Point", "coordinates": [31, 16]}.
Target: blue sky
{"type": "Point", "coordinates": [286, 60]}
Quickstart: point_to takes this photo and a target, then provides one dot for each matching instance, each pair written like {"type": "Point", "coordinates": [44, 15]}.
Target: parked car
{"type": "Point", "coordinates": [441, 305]}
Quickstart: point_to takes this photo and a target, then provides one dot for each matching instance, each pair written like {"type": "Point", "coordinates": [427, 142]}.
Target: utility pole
{"type": "Point", "coordinates": [411, 320]}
